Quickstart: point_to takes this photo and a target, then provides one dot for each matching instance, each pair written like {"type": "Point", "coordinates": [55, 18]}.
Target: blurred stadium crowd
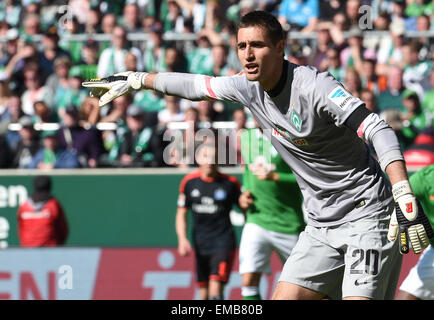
{"type": "Point", "coordinates": [47, 48]}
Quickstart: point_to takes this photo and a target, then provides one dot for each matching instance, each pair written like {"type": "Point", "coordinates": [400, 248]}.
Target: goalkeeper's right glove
{"type": "Point", "coordinates": [107, 89]}
{"type": "Point", "coordinates": [409, 222]}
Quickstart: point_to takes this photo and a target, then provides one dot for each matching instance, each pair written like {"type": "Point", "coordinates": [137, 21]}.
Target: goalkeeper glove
{"type": "Point", "coordinates": [107, 89]}
{"type": "Point", "coordinates": [408, 220]}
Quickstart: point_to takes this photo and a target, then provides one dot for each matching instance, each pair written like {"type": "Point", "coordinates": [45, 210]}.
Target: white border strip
{"type": "Point", "coordinates": [109, 171]}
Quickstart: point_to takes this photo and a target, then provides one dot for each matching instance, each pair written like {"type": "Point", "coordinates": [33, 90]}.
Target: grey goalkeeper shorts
{"type": "Point", "coordinates": [353, 259]}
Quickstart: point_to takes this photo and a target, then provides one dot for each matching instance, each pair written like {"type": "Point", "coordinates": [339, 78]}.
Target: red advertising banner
{"type": "Point", "coordinates": [161, 274]}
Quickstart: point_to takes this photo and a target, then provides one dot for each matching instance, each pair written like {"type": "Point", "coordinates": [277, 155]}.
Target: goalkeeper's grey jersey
{"type": "Point", "coordinates": [338, 177]}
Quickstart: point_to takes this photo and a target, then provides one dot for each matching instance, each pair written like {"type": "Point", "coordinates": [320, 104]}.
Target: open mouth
{"type": "Point", "coordinates": [251, 68]}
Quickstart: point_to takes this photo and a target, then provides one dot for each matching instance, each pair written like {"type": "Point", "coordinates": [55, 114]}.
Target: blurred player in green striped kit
{"type": "Point", "coordinates": [419, 283]}
{"type": "Point", "coordinates": [272, 201]}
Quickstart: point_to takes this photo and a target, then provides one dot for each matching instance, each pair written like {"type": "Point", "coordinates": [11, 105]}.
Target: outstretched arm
{"type": "Point", "coordinates": [184, 85]}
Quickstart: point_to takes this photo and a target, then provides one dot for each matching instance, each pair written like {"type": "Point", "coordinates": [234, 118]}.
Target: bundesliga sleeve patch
{"type": "Point", "coordinates": [340, 97]}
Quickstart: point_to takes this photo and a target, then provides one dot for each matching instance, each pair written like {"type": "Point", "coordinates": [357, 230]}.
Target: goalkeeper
{"type": "Point", "coordinates": [315, 125]}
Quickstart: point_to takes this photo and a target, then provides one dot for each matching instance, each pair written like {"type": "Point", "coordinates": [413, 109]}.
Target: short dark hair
{"type": "Point", "coordinates": [265, 20]}
{"type": "Point", "coordinates": [42, 183]}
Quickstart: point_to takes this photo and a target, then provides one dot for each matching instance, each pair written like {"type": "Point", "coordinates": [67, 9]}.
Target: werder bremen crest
{"type": "Point", "coordinates": [295, 119]}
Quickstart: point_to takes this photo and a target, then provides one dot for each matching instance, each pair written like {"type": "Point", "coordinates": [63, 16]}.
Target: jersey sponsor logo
{"type": "Point", "coordinates": [220, 194]}
{"type": "Point", "coordinates": [276, 133]}
{"type": "Point", "coordinates": [300, 142]}
{"type": "Point", "coordinates": [36, 215]}
{"type": "Point", "coordinates": [206, 206]}
{"type": "Point", "coordinates": [281, 132]}
{"type": "Point", "coordinates": [340, 97]}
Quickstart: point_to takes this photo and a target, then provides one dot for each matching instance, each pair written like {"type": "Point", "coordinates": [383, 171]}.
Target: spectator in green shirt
{"type": "Point", "coordinates": [138, 146]}
{"type": "Point", "coordinates": [89, 60]}
{"type": "Point", "coordinates": [416, 8]}
{"type": "Point", "coordinates": [200, 59]}
{"type": "Point", "coordinates": [74, 95]}
{"type": "Point", "coordinates": [414, 119]}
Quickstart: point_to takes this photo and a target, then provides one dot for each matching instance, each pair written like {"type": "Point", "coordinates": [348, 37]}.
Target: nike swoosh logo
{"type": "Point", "coordinates": [357, 283]}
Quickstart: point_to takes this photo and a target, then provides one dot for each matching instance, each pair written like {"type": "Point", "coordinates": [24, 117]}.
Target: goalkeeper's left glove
{"type": "Point", "coordinates": [408, 220]}
{"type": "Point", "coordinates": [107, 89]}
